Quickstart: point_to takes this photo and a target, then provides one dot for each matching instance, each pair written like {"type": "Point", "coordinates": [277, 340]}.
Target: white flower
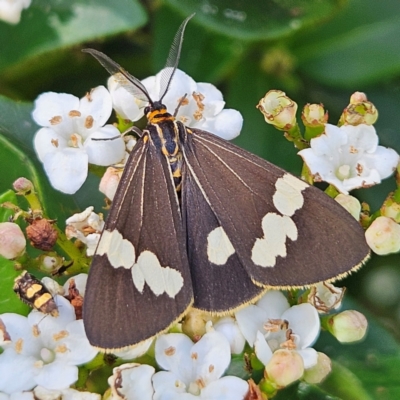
{"type": "Point", "coordinates": [79, 282]}
{"type": "Point", "coordinates": [193, 371]}
{"type": "Point", "coordinates": [135, 351]}
{"type": "Point", "coordinates": [326, 297]}
{"type": "Point", "coordinates": [202, 108]}
{"type": "Point", "coordinates": [10, 10]}
{"type": "Point", "coordinates": [43, 351]}
{"type": "Point", "coordinates": [65, 145]}
{"type": "Point", "coordinates": [132, 381]}
{"type": "Point", "coordinates": [271, 324]}
{"type": "Point", "coordinates": [230, 329]}
{"type": "Point", "coordinates": [349, 157]}
{"type": "Point", "coordinates": [126, 105]}
{"type": "Point", "coordinates": [87, 227]}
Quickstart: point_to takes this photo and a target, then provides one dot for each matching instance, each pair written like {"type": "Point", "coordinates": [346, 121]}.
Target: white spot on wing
{"type": "Point", "coordinates": [276, 228]}
{"type": "Point", "coordinates": [219, 247]}
{"type": "Point", "coordinates": [120, 252]}
{"type": "Point", "coordinates": [159, 279]}
{"type": "Point", "coordinates": [288, 197]}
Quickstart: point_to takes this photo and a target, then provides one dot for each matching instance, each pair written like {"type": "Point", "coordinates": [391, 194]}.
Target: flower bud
{"type": "Point", "coordinates": [350, 203]}
{"type": "Point", "coordinates": [391, 209]}
{"type": "Point", "coordinates": [22, 185]}
{"type": "Point", "coordinates": [285, 367]}
{"type": "Point", "coordinates": [278, 110]}
{"type": "Point", "coordinates": [109, 182]}
{"type": "Point", "coordinates": [348, 326]}
{"type": "Point", "coordinates": [320, 371]}
{"type": "Point", "coordinates": [42, 234]}
{"type": "Point", "coordinates": [383, 236]}
{"type": "Point", "coordinates": [194, 324]}
{"type": "Point", "coordinates": [359, 111]}
{"type": "Point", "coordinates": [314, 115]}
{"type": "Point", "coordinates": [12, 240]}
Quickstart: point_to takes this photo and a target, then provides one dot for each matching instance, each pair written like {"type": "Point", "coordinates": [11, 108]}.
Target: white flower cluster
{"type": "Point", "coordinates": [74, 132]}
{"type": "Point", "coordinates": [10, 10]}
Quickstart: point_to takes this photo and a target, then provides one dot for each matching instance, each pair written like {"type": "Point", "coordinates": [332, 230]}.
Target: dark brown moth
{"type": "Point", "coordinates": [197, 221]}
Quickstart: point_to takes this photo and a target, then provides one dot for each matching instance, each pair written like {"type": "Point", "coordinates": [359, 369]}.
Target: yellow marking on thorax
{"type": "Point", "coordinates": [162, 116]}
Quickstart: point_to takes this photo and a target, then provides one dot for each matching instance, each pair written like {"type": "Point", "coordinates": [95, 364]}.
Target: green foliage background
{"type": "Point", "coordinates": [315, 51]}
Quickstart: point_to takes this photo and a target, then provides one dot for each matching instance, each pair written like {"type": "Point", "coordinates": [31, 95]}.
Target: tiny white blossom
{"type": "Point", "coordinates": [10, 10]}
{"type": "Point", "coordinates": [43, 350]}
{"type": "Point", "coordinates": [65, 144]}
{"type": "Point", "coordinates": [132, 381]}
{"type": "Point", "coordinates": [87, 227]}
{"type": "Point", "coordinates": [271, 324]}
{"type": "Point", "coordinates": [326, 297]}
{"type": "Point", "coordinates": [194, 371]}
{"type": "Point", "coordinates": [349, 157]}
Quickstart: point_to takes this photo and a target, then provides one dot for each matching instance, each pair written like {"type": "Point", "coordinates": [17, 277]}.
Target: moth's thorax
{"type": "Point", "coordinates": [163, 132]}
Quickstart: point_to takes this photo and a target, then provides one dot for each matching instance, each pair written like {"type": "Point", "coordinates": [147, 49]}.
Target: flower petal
{"type": "Point", "coordinates": [66, 169]}
{"type": "Point", "coordinates": [49, 375]}
{"type": "Point", "coordinates": [48, 141]}
{"type": "Point", "coordinates": [304, 322]}
{"type": "Point", "coordinates": [97, 104]}
{"type": "Point", "coordinates": [310, 357]}
{"type": "Point", "coordinates": [262, 349]}
{"type": "Point", "coordinates": [226, 388]}
{"type": "Point", "coordinates": [49, 105]}
{"type": "Point", "coordinates": [108, 151]}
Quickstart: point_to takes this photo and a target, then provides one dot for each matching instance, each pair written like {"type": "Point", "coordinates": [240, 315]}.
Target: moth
{"type": "Point", "coordinates": [32, 292]}
{"type": "Point", "coordinates": [197, 221]}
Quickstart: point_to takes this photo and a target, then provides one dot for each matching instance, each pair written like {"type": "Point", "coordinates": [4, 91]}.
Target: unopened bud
{"type": "Point", "coordinates": [110, 181]}
{"type": "Point", "coordinates": [348, 326]}
{"type": "Point", "coordinates": [194, 324]}
{"type": "Point", "coordinates": [278, 110]}
{"type": "Point", "coordinates": [22, 185]}
{"type": "Point", "coordinates": [383, 236]}
{"type": "Point", "coordinates": [391, 209]}
{"type": "Point", "coordinates": [42, 234]}
{"type": "Point", "coordinates": [318, 372]}
{"type": "Point", "coordinates": [359, 111]}
{"type": "Point", "coordinates": [285, 367]}
{"type": "Point", "coordinates": [350, 203]}
{"type": "Point", "coordinates": [314, 115]}
{"type": "Point", "coordinates": [12, 240]}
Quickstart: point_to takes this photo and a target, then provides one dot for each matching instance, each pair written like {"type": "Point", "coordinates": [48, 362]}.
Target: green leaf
{"type": "Point", "coordinates": [8, 196]}
{"type": "Point", "coordinates": [356, 48]}
{"type": "Point", "coordinates": [51, 24]}
{"type": "Point", "coordinates": [256, 19]}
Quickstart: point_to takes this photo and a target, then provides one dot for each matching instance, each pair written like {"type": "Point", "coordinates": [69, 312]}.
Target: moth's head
{"type": "Point", "coordinates": [155, 111]}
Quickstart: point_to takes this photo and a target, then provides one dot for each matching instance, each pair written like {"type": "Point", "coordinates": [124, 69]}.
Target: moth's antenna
{"type": "Point", "coordinates": [173, 59]}
{"type": "Point", "coordinates": [124, 78]}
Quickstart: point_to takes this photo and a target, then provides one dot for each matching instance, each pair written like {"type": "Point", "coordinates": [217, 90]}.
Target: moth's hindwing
{"type": "Point", "coordinates": [281, 231]}
{"type": "Point", "coordinates": [218, 284]}
{"type": "Point", "coordinates": [32, 292]}
{"type": "Point", "coordinates": [139, 282]}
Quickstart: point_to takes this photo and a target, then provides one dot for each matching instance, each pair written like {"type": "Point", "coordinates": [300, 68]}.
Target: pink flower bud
{"type": "Point", "coordinates": [22, 185]}
{"type": "Point", "coordinates": [109, 182]}
{"type": "Point", "coordinates": [12, 240]}
{"type": "Point", "coordinates": [348, 326]}
{"type": "Point", "coordinates": [285, 367]}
